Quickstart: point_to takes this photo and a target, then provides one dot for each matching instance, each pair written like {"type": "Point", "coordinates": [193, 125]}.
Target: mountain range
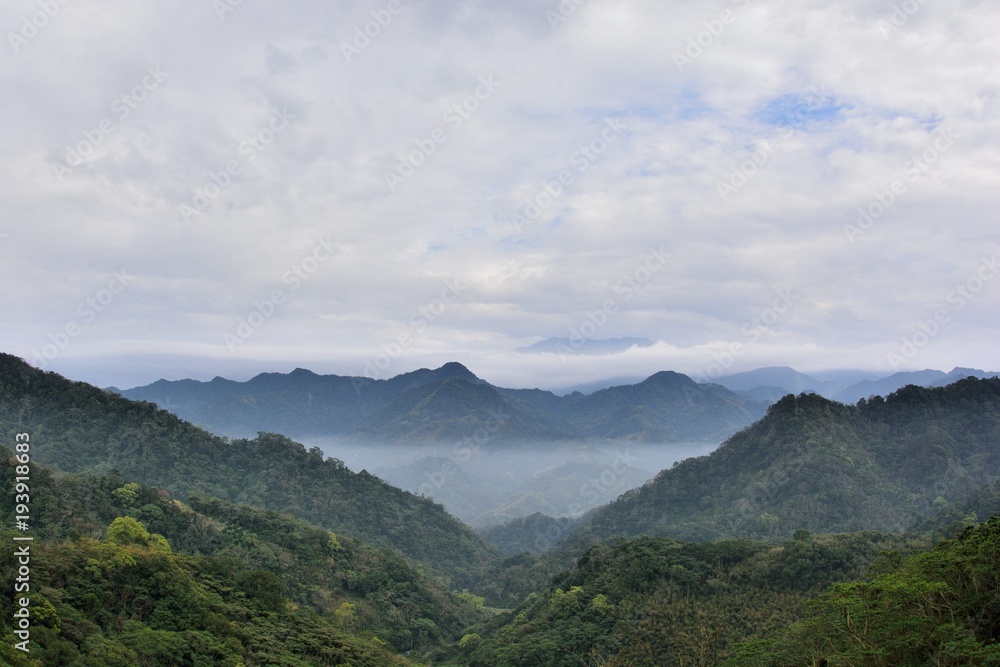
{"type": "Point", "coordinates": [845, 386]}
{"type": "Point", "coordinates": [226, 571]}
{"type": "Point", "coordinates": [451, 403]}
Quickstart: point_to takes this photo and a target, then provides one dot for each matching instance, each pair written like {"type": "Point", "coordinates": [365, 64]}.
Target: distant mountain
{"type": "Point", "coordinates": [957, 374]}
{"type": "Point", "coordinates": [451, 404]}
{"type": "Point", "coordinates": [666, 407]}
{"type": "Point", "coordinates": [765, 395]}
{"type": "Point", "coordinates": [925, 378]}
{"type": "Point", "coordinates": [846, 386]}
{"type": "Point", "coordinates": [590, 387]}
{"type": "Point", "coordinates": [591, 346]}
{"type": "Point", "coordinates": [887, 385]}
{"type": "Point", "coordinates": [783, 377]}
{"type": "Point", "coordinates": [455, 409]}
{"type": "Point", "coordinates": [826, 467]}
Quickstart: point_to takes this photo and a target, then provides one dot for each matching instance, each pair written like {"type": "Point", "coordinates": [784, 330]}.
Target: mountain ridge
{"type": "Point", "coordinates": [412, 407]}
{"type": "Point", "coordinates": [798, 467]}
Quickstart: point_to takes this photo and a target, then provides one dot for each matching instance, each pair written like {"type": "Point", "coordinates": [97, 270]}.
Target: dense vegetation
{"type": "Point", "coordinates": [367, 595]}
{"type": "Point", "coordinates": [78, 428]}
{"type": "Point", "coordinates": [813, 464]}
{"type": "Point", "coordinates": [534, 534]}
{"type": "Point", "coordinates": [937, 608]}
{"type": "Point", "coordinates": [126, 574]}
{"type": "Point", "coordinates": [657, 602]}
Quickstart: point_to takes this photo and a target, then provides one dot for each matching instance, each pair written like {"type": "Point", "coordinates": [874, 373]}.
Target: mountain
{"type": "Point", "coordinates": [587, 346]}
{"type": "Point", "coordinates": [766, 395]}
{"type": "Point", "coordinates": [925, 378]}
{"type": "Point", "coordinates": [887, 385]}
{"type": "Point", "coordinates": [782, 377]}
{"type": "Point", "coordinates": [597, 385]}
{"type": "Point", "coordinates": [957, 374]}
{"type": "Point", "coordinates": [453, 404]}
{"type": "Point", "coordinates": [665, 407]}
{"type": "Point", "coordinates": [815, 464]}
{"type": "Point", "coordinates": [456, 409]}
{"type": "Point", "coordinates": [299, 404]}
{"type": "Point", "coordinates": [80, 428]}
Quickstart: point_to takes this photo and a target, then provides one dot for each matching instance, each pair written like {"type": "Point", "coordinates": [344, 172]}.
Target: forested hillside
{"type": "Point", "coordinates": [191, 562]}
{"type": "Point", "coordinates": [78, 428]}
{"type": "Point", "coordinates": [818, 465]}
{"type": "Point", "coordinates": [125, 575]}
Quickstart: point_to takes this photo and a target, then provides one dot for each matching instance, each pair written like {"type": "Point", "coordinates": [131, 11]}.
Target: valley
{"type": "Point", "coordinates": [607, 547]}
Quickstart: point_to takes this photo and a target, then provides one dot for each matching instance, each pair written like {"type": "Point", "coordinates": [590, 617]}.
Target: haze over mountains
{"type": "Point", "coordinates": [921, 459]}
{"type": "Point", "coordinates": [491, 454]}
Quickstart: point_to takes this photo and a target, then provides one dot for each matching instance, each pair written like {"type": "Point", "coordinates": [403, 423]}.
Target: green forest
{"type": "Point", "coordinates": [824, 534]}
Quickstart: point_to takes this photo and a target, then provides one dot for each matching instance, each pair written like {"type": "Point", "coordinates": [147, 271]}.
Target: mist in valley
{"type": "Point", "coordinates": [486, 485]}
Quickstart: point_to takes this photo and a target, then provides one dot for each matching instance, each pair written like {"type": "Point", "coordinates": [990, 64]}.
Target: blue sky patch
{"type": "Point", "coordinates": [796, 110]}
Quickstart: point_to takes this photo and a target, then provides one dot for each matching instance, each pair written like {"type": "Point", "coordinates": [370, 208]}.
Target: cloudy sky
{"type": "Point", "coordinates": [194, 189]}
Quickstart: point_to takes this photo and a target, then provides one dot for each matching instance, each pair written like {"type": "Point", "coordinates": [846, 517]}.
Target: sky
{"type": "Point", "coordinates": [227, 187]}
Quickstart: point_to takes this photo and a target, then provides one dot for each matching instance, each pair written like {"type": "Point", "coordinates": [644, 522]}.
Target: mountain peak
{"type": "Point", "coordinates": [453, 369]}
{"type": "Point", "coordinates": [966, 372]}
{"type": "Point", "coordinates": [668, 378]}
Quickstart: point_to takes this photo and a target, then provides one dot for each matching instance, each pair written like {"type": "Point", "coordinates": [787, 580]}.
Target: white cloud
{"type": "Point", "coordinates": [883, 93]}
